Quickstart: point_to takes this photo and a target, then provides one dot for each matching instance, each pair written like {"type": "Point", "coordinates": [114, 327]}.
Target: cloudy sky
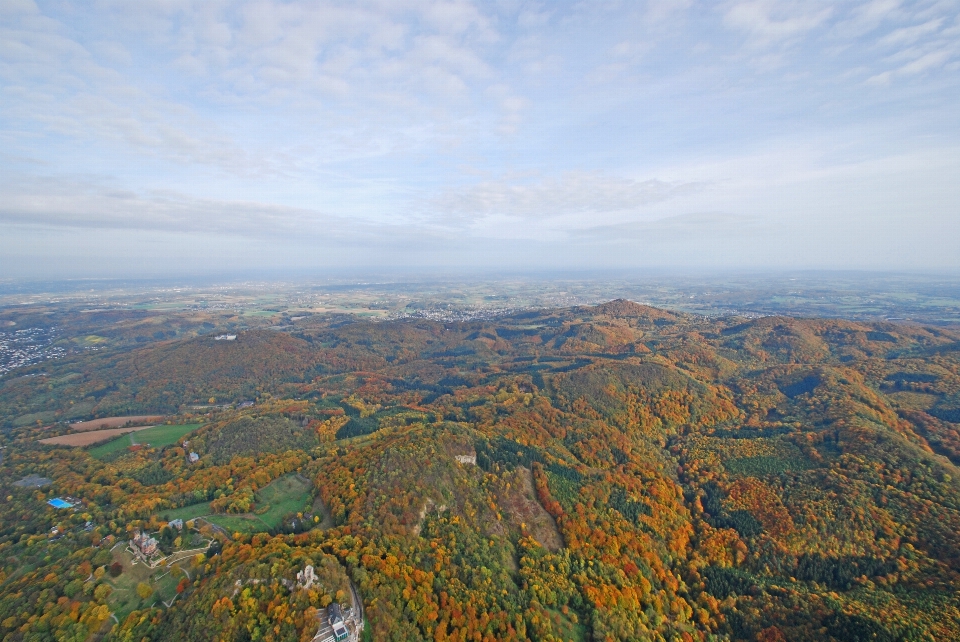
{"type": "Point", "coordinates": [144, 138]}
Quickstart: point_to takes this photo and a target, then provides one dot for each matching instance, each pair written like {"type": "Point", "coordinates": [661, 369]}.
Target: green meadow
{"type": "Point", "coordinates": [157, 437]}
{"type": "Point", "coordinates": [282, 496]}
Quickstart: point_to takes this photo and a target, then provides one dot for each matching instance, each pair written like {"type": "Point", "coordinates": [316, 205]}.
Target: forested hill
{"type": "Point", "coordinates": [616, 472]}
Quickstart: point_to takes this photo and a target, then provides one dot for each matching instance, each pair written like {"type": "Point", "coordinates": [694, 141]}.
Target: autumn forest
{"type": "Point", "coordinates": [609, 472]}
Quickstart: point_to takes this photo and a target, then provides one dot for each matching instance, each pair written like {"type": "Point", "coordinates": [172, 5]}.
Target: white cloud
{"type": "Point", "coordinates": [84, 203]}
{"type": "Point", "coordinates": [349, 68]}
{"type": "Point", "coordinates": [574, 195]}
{"type": "Point", "coordinates": [909, 35]}
{"type": "Point", "coordinates": [919, 63]}
{"type": "Point", "coordinates": [18, 7]}
{"type": "Point", "coordinates": [865, 17]}
{"type": "Point", "coordinates": [771, 22]}
{"type": "Point", "coordinates": [105, 230]}
{"type": "Point", "coordinates": [448, 124]}
{"type": "Point", "coordinates": [923, 63]}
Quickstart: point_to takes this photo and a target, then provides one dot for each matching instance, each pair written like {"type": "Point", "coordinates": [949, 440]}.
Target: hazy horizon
{"type": "Point", "coordinates": [156, 140]}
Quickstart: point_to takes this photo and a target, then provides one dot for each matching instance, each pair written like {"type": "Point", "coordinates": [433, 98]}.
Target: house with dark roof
{"type": "Point", "coordinates": [335, 613]}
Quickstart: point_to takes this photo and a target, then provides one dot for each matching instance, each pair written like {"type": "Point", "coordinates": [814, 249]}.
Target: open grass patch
{"type": "Point", "coordinates": [320, 509]}
{"type": "Point", "coordinates": [162, 580]}
{"type": "Point", "coordinates": [165, 583]}
{"type": "Point", "coordinates": [157, 437]}
{"type": "Point", "coordinates": [281, 497]}
{"type": "Point", "coordinates": [79, 409]}
{"type": "Point", "coordinates": [565, 628]}
{"type": "Point", "coordinates": [245, 523]}
{"type": "Point", "coordinates": [160, 436]}
{"type": "Point", "coordinates": [914, 400]}
{"type": "Point", "coordinates": [288, 494]}
{"type": "Point", "coordinates": [41, 417]}
{"type": "Point", "coordinates": [186, 513]}
{"type": "Point", "coordinates": [124, 598]}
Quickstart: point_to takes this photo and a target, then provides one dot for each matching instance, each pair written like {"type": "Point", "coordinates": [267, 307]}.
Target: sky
{"type": "Point", "coordinates": [152, 138]}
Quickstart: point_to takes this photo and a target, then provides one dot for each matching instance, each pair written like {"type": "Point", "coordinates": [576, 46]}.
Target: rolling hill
{"type": "Point", "coordinates": [615, 472]}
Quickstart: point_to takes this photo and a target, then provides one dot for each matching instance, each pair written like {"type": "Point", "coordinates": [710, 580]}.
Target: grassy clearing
{"type": "Point", "coordinates": [245, 523]}
{"type": "Point", "coordinates": [157, 437]}
{"type": "Point", "coordinates": [165, 583]}
{"type": "Point", "coordinates": [124, 598]}
{"type": "Point", "coordinates": [914, 400]}
{"type": "Point", "coordinates": [163, 580]}
{"type": "Point", "coordinates": [186, 513]}
{"type": "Point", "coordinates": [319, 508]}
{"type": "Point", "coordinates": [362, 440]}
{"type": "Point", "coordinates": [80, 409]}
{"type": "Point", "coordinates": [565, 627]}
{"type": "Point", "coordinates": [160, 436]}
{"type": "Point", "coordinates": [43, 417]}
{"type": "Point", "coordinates": [288, 494]}
{"type": "Point", "coordinates": [282, 496]}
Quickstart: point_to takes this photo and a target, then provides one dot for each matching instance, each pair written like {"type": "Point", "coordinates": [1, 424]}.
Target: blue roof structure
{"type": "Point", "coordinates": [56, 502]}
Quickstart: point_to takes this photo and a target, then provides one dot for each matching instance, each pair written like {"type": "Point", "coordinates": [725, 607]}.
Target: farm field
{"type": "Point", "coordinates": [114, 422]}
{"type": "Point", "coordinates": [91, 437]}
{"type": "Point", "coordinates": [156, 436]}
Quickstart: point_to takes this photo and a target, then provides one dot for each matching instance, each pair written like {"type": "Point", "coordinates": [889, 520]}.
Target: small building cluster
{"type": "Point", "coordinates": [335, 614]}
{"type": "Point", "coordinates": [143, 544]}
{"type": "Point", "coordinates": [225, 337]}
{"type": "Point", "coordinates": [193, 457]}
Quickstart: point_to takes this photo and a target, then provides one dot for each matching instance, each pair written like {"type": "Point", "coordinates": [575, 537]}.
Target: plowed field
{"type": "Point", "coordinates": [90, 436]}
{"type": "Point", "coordinates": [114, 422]}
